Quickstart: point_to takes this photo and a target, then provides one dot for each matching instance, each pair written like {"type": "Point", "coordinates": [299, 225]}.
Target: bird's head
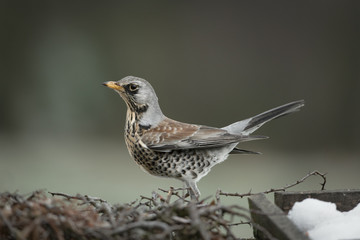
{"type": "Point", "coordinates": [138, 95]}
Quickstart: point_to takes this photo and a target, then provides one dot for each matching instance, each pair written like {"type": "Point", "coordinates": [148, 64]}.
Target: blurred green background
{"type": "Point", "coordinates": [210, 62]}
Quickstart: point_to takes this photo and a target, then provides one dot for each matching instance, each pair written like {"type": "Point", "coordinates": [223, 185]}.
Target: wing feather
{"type": "Point", "coordinates": [172, 135]}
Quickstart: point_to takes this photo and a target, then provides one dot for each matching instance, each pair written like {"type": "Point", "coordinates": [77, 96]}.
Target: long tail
{"type": "Point", "coordinates": [248, 126]}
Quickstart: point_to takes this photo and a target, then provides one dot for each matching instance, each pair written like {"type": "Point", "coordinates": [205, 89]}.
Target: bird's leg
{"type": "Point", "coordinates": [185, 189]}
{"type": "Point", "coordinates": [193, 190]}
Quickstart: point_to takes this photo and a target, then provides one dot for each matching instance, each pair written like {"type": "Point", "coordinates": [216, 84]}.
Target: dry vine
{"type": "Point", "coordinates": [172, 216]}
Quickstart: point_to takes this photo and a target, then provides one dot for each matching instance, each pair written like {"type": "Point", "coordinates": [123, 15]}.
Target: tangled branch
{"type": "Point", "coordinates": [62, 216]}
{"type": "Point", "coordinates": [167, 214]}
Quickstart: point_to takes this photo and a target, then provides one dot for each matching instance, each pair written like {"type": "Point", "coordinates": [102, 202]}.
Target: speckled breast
{"type": "Point", "coordinates": [175, 164]}
{"type": "Point", "coordinates": [155, 163]}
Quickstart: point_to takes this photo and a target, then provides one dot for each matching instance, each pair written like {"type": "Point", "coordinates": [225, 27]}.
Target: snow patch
{"type": "Point", "coordinates": [321, 221]}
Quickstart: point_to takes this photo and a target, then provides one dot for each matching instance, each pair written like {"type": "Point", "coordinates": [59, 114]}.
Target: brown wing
{"type": "Point", "coordinates": [172, 135]}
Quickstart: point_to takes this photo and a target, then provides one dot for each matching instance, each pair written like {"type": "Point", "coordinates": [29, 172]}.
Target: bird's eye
{"type": "Point", "coordinates": [133, 87]}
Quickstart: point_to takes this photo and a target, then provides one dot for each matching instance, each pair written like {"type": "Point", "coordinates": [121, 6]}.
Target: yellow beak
{"type": "Point", "coordinates": [114, 85]}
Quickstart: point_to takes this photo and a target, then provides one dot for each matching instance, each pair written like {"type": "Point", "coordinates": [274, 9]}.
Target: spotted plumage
{"type": "Point", "coordinates": [168, 148]}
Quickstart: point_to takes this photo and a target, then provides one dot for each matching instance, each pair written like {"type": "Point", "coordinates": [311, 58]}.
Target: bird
{"type": "Point", "coordinates": [168, 148]}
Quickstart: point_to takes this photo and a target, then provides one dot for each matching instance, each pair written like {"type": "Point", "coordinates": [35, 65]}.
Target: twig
{"type": "Point", "coordinates": [68, 197]}
{"type": "Point", "coordinates": [14, 232]}
{"type": "Point", "coordinates": [196, 222]}
{"type": "Point", "coordinates": [152, 199]}
{"type": "Point", "coordinates": [181, 220]}
{"type": "Point", "coordinates": [170, 193]}
{"type": "Point", "coordinates": [175, 192]}
{"type": "Point", "coordinates": [240, 223]}
{"type": "Point", "coordinates": [142, 224]}
{"type": "Point", "coordinates": [282, 189]}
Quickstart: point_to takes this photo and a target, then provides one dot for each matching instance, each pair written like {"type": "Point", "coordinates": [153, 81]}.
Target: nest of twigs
{"type": "Point", "coordinates": [43, 215]}
{"type": "Point", "coordinates": [169, 215]}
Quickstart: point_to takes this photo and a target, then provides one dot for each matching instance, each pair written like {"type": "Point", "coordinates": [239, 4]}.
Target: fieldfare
{"type": "Point", "coordinates": [168, 148]}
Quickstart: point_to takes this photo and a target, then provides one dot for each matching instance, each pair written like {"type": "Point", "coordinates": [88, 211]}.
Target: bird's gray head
{"type": "Point", "coordinates": [139, 96]}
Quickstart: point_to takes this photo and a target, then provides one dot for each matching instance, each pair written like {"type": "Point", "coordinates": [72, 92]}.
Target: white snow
{"type": "Point", "coordinates": [321, 221]}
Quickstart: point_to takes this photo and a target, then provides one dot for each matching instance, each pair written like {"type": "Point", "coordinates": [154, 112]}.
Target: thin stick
{"type": "Point", "coordinates": [282, 189]}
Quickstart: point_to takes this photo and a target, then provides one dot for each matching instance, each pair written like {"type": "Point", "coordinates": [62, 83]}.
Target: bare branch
{"type": "Point", "coordinates": [314, 173]}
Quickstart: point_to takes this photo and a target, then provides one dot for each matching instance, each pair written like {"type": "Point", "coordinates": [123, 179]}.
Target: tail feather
{"type": "Point", "coordinates": [242, 151]}
{"type": "Point", "coordinates": [247, 138]}
{"type": "Point", "coordinates": [248, 126]}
